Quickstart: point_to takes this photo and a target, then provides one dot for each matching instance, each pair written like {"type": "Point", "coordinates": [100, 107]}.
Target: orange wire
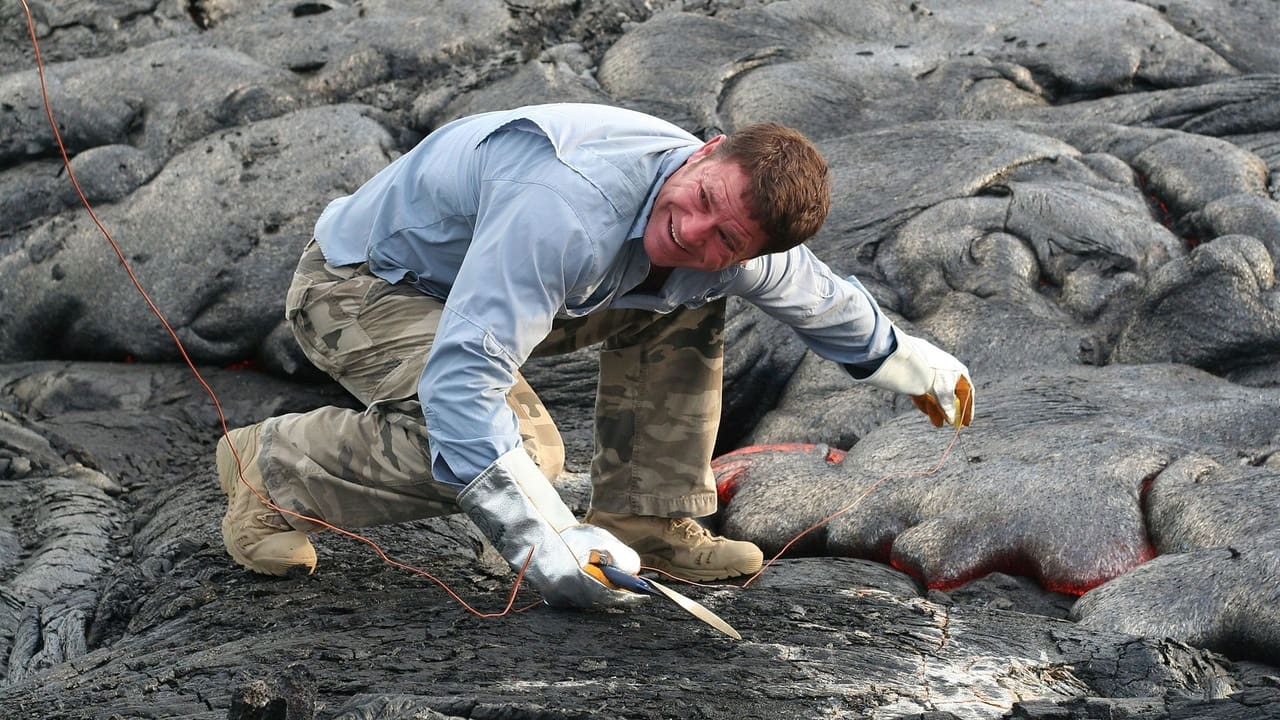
{"type": "Point", "coordinates": [66, 162]}
{"type": "Point", "coordinates": [871, 488]}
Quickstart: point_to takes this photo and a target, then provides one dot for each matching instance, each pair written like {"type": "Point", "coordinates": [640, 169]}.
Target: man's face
{"type": "Point", "coordinates": [700, 219]}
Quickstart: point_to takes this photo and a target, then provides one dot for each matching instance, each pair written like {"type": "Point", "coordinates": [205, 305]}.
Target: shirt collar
{"type": "Point", "coordinates": [638, 267]}
{"type": "Point", "coordinates": [672, 162]}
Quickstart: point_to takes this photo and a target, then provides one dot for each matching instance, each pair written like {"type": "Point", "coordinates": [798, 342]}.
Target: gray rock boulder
{"type": "Point", "coordinates": [1050, 483]}
{"type": "Point", "coordinates": [218, 265]}
{"type": "Point", "coordinates": [1212, 521]}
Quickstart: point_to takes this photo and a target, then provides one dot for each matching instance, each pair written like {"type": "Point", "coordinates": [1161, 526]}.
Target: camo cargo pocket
{"type": "Point", "coordinates": [323, 306]}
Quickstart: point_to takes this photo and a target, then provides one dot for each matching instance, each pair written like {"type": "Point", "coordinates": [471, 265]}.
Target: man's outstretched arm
{"type": "Point", "coordinates": [840, 321]}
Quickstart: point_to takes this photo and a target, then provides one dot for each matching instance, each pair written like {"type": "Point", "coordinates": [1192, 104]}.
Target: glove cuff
{"type": "Point", "coordinates": [516, 478]}
{"type": "Point", "coordinates": [905, 371]}
{"type": "Point", "coordinates": [516, 507]}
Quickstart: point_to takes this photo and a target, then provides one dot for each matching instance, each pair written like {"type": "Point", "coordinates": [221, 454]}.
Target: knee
{"type": "Point", "coordinates": [549, 457]}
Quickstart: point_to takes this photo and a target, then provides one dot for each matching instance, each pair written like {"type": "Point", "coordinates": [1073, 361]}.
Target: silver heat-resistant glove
{"type": "Point", "coordinates": [515, 506]}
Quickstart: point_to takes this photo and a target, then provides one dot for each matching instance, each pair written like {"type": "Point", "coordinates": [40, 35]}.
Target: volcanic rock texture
{"type": "Point", "coordinates": [1077, 198]}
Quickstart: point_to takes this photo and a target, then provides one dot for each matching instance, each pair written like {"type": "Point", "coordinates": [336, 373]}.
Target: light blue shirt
{"type": "Point", "coordinates": [516, 218]}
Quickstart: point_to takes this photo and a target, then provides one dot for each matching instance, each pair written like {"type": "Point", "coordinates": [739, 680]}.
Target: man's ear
{"type": "Point", "coordinates": [706, 148]}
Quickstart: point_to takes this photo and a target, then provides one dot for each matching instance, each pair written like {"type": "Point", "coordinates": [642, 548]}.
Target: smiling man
{"type": "Point", "coordinates": [536, 231]}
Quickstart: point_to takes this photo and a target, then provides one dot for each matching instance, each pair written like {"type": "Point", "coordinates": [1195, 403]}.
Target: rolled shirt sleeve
{"type": "Point", "coordinates": [835, 316]}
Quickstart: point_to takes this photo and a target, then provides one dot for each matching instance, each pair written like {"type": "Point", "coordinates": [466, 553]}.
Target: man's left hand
{"type": "Point", "coordinates": [937, 382]}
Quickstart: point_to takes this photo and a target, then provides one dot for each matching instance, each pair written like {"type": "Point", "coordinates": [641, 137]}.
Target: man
{"type": "Point", "coordinates": [538, 231]}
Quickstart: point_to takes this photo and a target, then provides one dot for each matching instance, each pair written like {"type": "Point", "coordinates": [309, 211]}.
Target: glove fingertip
{"type": "Point", "coordinates": [964, 402]}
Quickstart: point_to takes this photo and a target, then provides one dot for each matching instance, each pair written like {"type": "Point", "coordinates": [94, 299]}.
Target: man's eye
{"type": "Point", "coordinates": [702, 194]}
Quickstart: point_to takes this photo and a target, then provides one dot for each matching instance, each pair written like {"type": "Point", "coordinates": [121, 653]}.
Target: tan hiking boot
{"type": "Point", "coordinates": [256, 536]}
{"type": "Point", "coordinates": [681, 546]}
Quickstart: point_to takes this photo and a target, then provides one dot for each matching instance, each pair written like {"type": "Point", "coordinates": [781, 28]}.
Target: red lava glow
{"type": "Point", "coordinates": [733, 467]}
{"type": "Point", "coordinates": [1022, 567]}
{"type": "Point", "coordinates": [246, 364]}
{"type": "Point", "coordinates": [834, 455]}
{"type": "Point", "coordinates": [1147, 482]}
{"type": "Point", "coordinates": [727, 484]}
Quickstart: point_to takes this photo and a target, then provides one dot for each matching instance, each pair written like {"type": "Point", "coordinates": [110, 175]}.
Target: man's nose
{"type": "Point", "coordinates": [698, 228]}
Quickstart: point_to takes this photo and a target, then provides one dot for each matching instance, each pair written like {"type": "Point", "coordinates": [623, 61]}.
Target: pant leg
{"type": "Point", "coordinates": [657, 407]}
{"type": "Point", "coordinates": [354, 468]}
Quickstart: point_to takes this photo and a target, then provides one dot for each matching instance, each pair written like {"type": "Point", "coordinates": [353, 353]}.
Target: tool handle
{"type": "Point", "coordinates": [626, 580]}
{"type": "Point", "coordinates": [601, 568]}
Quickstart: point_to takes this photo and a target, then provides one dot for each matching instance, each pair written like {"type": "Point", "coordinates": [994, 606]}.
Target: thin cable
{"type": "Point", "coordinates": [960, 412]}
{"type": "Point", "coordinates": [222, 419]}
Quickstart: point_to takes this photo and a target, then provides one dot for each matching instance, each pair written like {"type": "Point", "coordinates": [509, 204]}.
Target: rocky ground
{"type": "Point", "coordinates": [1077, 198]}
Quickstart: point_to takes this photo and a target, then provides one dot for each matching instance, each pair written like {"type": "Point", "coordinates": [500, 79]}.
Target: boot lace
{"type": "Point", "coordinates": [691, 529]}
{"type": "Point", "coordinates": [273, 519]}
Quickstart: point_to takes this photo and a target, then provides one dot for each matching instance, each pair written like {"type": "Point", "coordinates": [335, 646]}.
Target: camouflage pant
{"type": "Point", "coordinates": [657, 408]}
